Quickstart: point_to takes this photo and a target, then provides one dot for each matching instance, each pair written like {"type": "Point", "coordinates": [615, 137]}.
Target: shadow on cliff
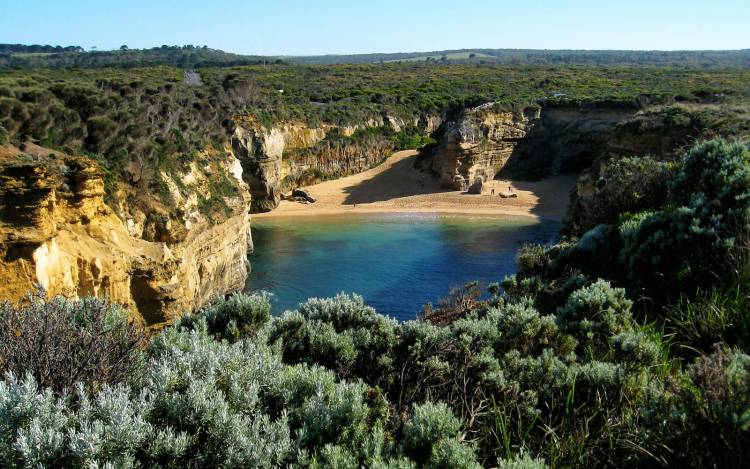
{"type": "Point", "coordinates": [400, 180]}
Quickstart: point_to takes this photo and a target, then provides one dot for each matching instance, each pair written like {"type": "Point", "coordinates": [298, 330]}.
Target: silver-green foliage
{"type": "Point", "coordinates": [698, 238]}
{"type": "Point", "coordinates": [202, 402]}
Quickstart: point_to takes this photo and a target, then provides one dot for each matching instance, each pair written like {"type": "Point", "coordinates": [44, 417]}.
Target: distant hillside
{"type": "Point", "coordinates": [36, 49]}
{"type": "Point", "coordinates": [701, 59]}
{"type": "Point", "coordinates": [14, 56]}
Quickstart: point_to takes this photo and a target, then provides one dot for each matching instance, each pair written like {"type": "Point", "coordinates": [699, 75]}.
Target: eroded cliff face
{"type": "Point", "coordinates": [279, 158]}
{"type": "Point", "coordinates": [485, 142]}
{"type": "Point", "coordinates": [57, 231]}
{"type": "Point", "coordinates": [261, 150]}
{"type": "Point", "coordinates": [530, 143]}
{"type": "Point", "coordinates": [660, 132]}
{"type": "Point", "coordinates": [478, 144]}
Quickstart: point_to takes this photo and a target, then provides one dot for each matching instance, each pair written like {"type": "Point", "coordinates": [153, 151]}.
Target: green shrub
{"type": "Point", "coordinates": [698, 240]}
{"type": "Point", "coordinates": [522, 462]}
{"type": "Point", "coordinates": [709, 419]}
{"type": "Point", "coordinates": [430, 438]}
{"type": "Point", "coordinates": [340, 333]}
{"type": "Point", "coordinates": [232, 318]}
{"type": "Point", "coordinates": [532, 259]}
{"type": "Point", "coordinates": [595, 313]}
{"type": "Point", "coordinates": [625, 185]}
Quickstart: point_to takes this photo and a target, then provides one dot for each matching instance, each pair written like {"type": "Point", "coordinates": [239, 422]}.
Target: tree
{"type": "Point", "coordinates": [123, 47]}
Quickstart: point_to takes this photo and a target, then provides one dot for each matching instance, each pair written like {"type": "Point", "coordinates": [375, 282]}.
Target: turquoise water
{"type": "Point", "coordinates": [397, 262]}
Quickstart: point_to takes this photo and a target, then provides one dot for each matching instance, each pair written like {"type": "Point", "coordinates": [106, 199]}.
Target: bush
{"type": "Point", "coordinates": [625, 185]}
{"type": "Point", "coordinates": [342, 334]}
{"type": "Point", "coordinates": [710, 420]}
{"type": "Point", "coordinates": [207, 403]}
{"type": "Point", "coordinates": [699, 239]}
{"type": "Point", "coordinates": [232, 318]}
{"type": "Point", "coordinates": [62, 342]}
{"type": "Point", "coordinates": [560, 385]}
{"type": "Point", "coordinates": [430, 438]}
{"type": "Point", "coordinates": [532, 259]}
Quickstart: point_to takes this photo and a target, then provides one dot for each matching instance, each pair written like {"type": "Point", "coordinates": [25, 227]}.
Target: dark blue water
{"type": "Point", "coordinates": [398, 262]}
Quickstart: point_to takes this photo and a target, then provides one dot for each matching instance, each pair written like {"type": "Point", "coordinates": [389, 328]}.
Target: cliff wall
{"type": "Point", "coordinates": [56, 231]}
{"type": "Point", "coordinates": [289, 154]}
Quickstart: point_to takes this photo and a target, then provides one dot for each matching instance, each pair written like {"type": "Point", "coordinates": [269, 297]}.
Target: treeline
{"type": "Point", "coordinates": [187, 56]}
{"type": "Point", "coordinates": [690, 59]}
{"type": "Point", "coordinates": [36, 49]}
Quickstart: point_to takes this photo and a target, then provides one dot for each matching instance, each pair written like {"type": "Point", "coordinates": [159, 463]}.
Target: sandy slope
{"type": "Point", "coordinates": [396, 186]}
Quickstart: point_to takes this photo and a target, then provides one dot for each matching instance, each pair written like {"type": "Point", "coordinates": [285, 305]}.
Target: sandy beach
{"type": "Point", "coordinates": [396, 186]}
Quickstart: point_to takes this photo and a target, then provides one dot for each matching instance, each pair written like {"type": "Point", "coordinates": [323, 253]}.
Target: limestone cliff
{"type": "Point", "coordinates": [485, 142]}
{"type": "Point", "coordinates": [57, 231]}
{"type": "Point", "coordinates": [290, 154]}
{"type": "Point", "coordinates": [478, 144]}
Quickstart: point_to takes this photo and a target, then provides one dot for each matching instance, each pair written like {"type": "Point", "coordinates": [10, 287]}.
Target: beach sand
{"type": "Point", "coordinates": [396, 186]}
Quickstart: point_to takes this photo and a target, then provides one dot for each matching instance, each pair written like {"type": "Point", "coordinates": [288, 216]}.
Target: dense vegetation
{"type": "Point", "coordinates": [623, 345]}
{"type": "Point", "coordinates": [19, 56]}
{"type": "Point", "coordinates": [14, 56]}
{"type": "Point", "coordinates": [7, 49]}
{"type": "Point", "coordinates": [108, 111]}
{"type": "Point", "coordinates": [682, 59]}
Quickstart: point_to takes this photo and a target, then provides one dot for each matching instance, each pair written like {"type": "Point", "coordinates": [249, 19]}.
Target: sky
{"type": "Point", "coordinates": [313, 27]}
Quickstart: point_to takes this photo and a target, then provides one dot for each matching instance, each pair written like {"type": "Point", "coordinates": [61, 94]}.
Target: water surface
{"type": "Point", "coordinates": [397, 262]}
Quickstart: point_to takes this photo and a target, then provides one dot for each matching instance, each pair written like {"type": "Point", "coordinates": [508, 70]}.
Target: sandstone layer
{"type": "Point", "coordinates": [56, 231]}
{"type": "Point", "coordinates": [277, 159]}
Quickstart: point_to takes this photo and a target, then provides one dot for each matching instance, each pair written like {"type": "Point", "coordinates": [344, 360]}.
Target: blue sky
{"type": "Point", "coordinates": [298, 27]}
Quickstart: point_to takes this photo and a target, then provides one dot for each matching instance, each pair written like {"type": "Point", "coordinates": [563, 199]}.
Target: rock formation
{"type": "Point", "coordinates": [163, 257]}
{"type": "Point", "coordinates": [56, 231]}
{"type": "Point", "coordinates": [476, 188]}
{"type": "Point", "coordinates": [478, 144]}
{"type": "Point", "coordinates": [279, 158]}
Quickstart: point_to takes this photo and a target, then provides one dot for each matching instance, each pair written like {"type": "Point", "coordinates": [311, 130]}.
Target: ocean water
{"type": "Point", "coordinates": [397, 262]}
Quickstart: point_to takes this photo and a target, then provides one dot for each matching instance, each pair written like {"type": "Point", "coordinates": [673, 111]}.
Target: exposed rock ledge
{"type": "Point", "coordinates": [56, 230]}
{"type": "Point", "coordinates": [269, 156]}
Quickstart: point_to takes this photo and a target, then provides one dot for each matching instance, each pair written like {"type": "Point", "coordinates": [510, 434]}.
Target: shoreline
{"type": "Point", "coordinates": [456, 211]}
{"type": "Point", "coordinates": [396, 186]}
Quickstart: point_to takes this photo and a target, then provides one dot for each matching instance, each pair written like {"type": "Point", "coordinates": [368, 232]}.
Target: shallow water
{"type": "Point", "coordinates": [397, 262]}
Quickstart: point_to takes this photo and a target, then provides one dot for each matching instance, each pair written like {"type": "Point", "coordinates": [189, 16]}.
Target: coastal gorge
{"type": "Point", "coordinates": [460, 259]}
{"type": "Point", "coordinates": [141, 187]}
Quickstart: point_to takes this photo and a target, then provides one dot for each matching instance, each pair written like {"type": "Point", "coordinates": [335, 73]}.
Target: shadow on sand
{"type": "Point", "coordinates": [400, 180]}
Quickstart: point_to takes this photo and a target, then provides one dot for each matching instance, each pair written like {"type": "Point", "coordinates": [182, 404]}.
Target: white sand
{"type": "Point", "coordinates": [396, 186]}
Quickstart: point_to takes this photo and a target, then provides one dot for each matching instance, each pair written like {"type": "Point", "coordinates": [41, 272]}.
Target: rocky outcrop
{"type": "Point", "coordinates": [476, 188]}
{"type": "Point", "coordinates": [56, 231]}
{"type": "Point", "coordinates": [485, 142]}
{"type": "Point", "coordinates": [279, 158]}
{"type": "Point", "coordinates": [660, 132]}
{"type": "Point", "coordinates": [565, 140]}
{"type": "Point", "coordinates": [260, 151]}
{"type": "Point", "coordinates": [304, 195]}
{"type": "Point", "coordinates": [478, 144]}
